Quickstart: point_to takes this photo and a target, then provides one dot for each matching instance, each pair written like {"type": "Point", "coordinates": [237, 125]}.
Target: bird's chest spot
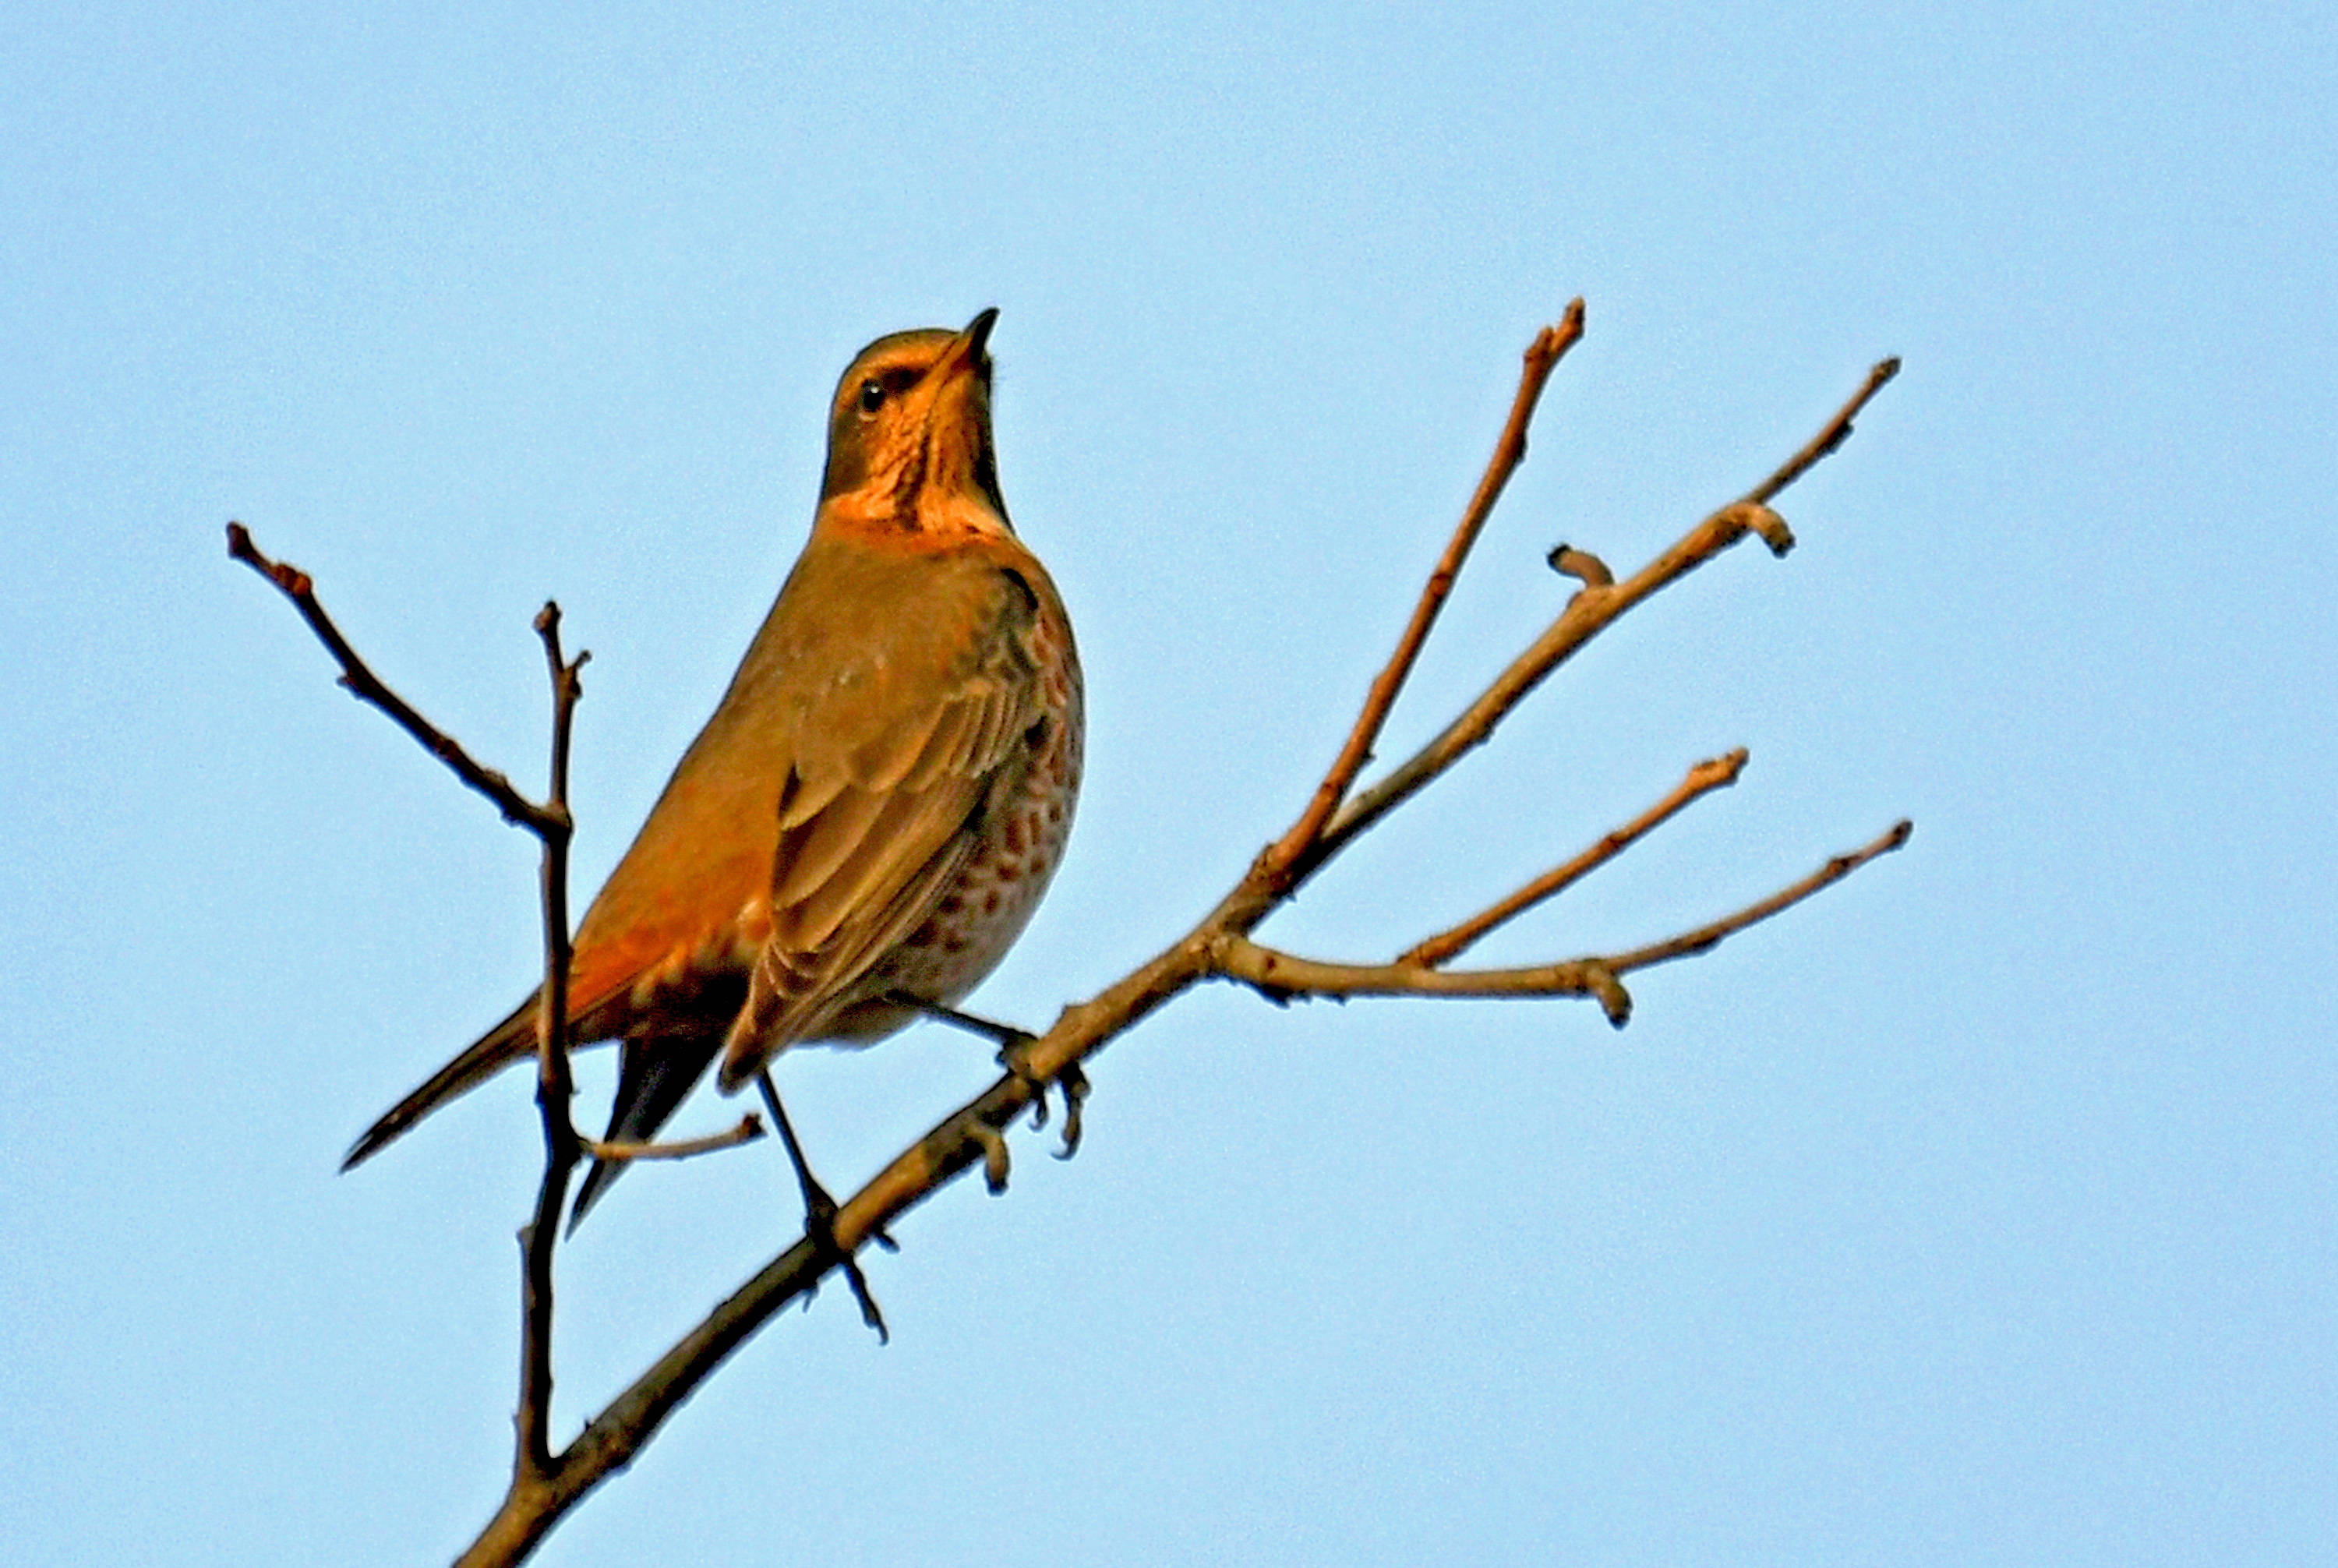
{"type": "Point", "coordinates": [985, 909]}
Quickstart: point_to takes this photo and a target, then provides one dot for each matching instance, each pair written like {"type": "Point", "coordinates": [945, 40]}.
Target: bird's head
{"type": "Point", "coordinates": [909, 434]}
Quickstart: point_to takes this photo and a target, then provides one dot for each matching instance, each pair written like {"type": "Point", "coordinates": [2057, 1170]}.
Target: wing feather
{"type": "Point", "coordinates": [826, 808]}
{"type": "Point", "coordinates": [853, 878]}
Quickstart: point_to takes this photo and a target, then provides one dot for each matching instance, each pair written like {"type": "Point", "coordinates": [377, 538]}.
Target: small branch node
{"type": "Point", "coordinates": [1739, 518]}
{"type": "Point", "coordinates": [1772, 529]}
{"type": "Point", "coordinates": [1609, 993]}
{"type": "Point", "coordinates": [993, 1153]}
{"type": "Point", "coordinates": [1580, 565]}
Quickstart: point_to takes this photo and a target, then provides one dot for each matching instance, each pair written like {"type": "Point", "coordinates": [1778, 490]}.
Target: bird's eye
{"type": "Point", "coordinates": [872, 395]}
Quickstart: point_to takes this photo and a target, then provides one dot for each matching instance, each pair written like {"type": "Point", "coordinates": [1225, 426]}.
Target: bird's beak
{"type": "Point", "coordinates": [967, 350]}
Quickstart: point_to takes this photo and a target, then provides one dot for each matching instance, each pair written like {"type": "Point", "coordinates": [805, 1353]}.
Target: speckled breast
{"type": "Point", "coordinates": [986, 909]}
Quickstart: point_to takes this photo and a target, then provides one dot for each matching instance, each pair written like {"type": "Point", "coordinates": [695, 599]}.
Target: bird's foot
{"type": "Point", "coordinates": [1070, 1082]}
{"type": "Point", "coordinates": [820, 1219]}
{"type": "Point", "coordinates": [1012, 1046]}
{"type": "Point", "coordinates": [819, 1229]}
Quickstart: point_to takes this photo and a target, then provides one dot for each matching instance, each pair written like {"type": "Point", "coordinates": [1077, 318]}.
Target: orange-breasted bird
{"type": "Point", "coordinates": [870, 815]}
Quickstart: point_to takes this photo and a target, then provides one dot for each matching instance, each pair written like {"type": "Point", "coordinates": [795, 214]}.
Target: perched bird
{"type": "Point", "coordinates": [868, 821]}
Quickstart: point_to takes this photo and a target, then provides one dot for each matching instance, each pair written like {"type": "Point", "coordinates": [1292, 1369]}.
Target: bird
{"type": "Point", "coordinates": [869, 816]}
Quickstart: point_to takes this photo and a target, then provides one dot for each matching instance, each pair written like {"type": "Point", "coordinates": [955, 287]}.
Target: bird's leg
{"type": "Point", "coordinates": [1012, 1044]}
{"type": "Point", "coordinates": [819, 1211]}
{"type": "Point", "coordinates": [1005, 1034]}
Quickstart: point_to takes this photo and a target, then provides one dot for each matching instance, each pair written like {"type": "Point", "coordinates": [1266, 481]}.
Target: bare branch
{"type": "Point", "coordinates": [1821, 445]}
{"type": "Point", "coordinates": [367, 687]}
{"type": "Point", "coordinates": [555, 1083]}
{"type": "Point", "coordinates": [1285, 975]}
{"type": "Point", "coordinates": [964, 1139]}
{"type": "Point", "coordinates": [1542, 356]}
{"type": "Point", "coordinates": [1596, 607]}
{"type": "Point", "coordinates": [1713, 773]}
{"type": "Point", "coordinates": [1707, 938]}
{"type": "Point", "coordinates": [534, 1464]}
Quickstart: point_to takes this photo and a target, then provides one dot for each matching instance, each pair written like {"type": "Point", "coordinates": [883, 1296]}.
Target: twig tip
{"type": "Point", "coordinates": [1580, 565]}
{"type": "Point", "coordinates": [1719, 772]}
{"type": "Point", "coordinates": [1774, 529]}
{"type": "Point", "coordinates": [1556, 339]}
{"type": "Point", "coordinates": [1613, 999]}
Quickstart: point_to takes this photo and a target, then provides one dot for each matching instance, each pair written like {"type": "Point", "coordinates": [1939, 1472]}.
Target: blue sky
{"type": "Point", "coordinates": [1981, 1210]}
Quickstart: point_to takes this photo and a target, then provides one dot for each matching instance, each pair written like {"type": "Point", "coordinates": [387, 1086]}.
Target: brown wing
{"type": "Point", "coordinates": [878, 708]}
{"type": "Point", "coordinates": [876, 821]}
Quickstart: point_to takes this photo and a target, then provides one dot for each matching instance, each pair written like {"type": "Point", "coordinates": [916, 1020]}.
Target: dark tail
{"type": "Point", "coordinates": [510, 1041]}
{"type": "Point", "coordinates": [654, 1075]}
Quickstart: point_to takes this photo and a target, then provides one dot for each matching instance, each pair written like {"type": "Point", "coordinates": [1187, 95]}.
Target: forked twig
{"type": "Point", "coordinates": [533, 1460]}
{"type": "Point", "coordinates": [1600, 603]}
{"type": "Point", "coordinates": [363, 684]}
{"type": "Point", "coordinates": [1284, 974]}
{"type": "Point", "coordinates": [1542, 356]}
{"type": "Point", "coordinates": [1713, 773]}
{"type": "Point", "coordinates": [555, 1084]}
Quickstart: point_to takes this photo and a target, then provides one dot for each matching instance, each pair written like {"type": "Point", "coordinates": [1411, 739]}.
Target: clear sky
{"type": "Point", "coordinates": [1983, 1209]}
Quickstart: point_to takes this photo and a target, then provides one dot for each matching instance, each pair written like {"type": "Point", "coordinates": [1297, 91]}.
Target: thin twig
{"type": "Point", "coordinates": [1598, 606]}
{"type": "Point", "coordinates": [367, 687]}
{"type": "Point", "coordinates": [1823, 445]}
{"type": "Point", "coordinates": [1542, 356]}
{"type": "Point", "coordinates": [621, 1151]}
{"type": "Point", "coordinates": [555, 1084]}
{"type": "Point", "coordinates": [1705, 938]}
{"type": "Point", "coordinates": [1713, 773]}
{"type": "Point", "coordinates": [1590, 611]}
{"type": "Point", "coordinates": [1286, 975]}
